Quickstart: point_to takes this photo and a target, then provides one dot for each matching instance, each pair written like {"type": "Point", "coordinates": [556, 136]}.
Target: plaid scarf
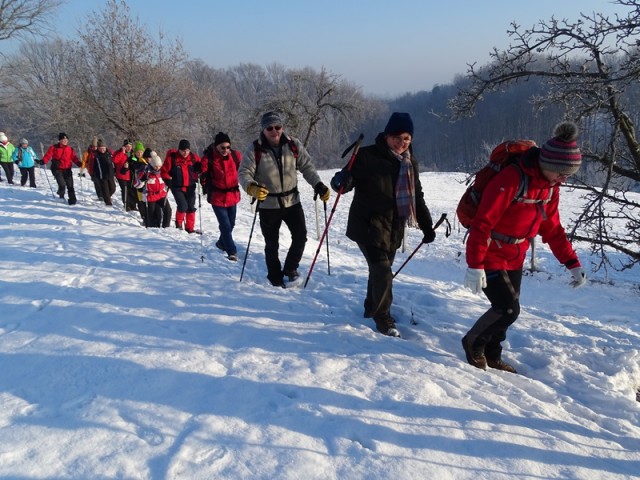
{"type": "Point", "coordinates": [405, 191]}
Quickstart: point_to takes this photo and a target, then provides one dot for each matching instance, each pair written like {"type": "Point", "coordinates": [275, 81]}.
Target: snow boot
{"type": "Point", "coordinates": [474, 357]}
{"type": "Point", "coordinates": [500, 365]}
{"type": "Point", "coordinates": [180, 216]}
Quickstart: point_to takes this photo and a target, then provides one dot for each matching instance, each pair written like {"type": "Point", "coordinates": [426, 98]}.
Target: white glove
{"type": "Point", "coordinates": [475, 279]}
{"type": "Point", "coordinates": [579, 277]}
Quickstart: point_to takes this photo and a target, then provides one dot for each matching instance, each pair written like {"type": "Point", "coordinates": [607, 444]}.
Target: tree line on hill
{"type": "Point", "coordinates": [146, 87]}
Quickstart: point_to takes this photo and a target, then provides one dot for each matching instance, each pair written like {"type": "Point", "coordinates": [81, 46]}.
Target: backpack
{"type": "Point", "coordinates": [507, 153]}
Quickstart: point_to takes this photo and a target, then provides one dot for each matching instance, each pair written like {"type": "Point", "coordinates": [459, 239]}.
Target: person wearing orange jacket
{"type": "Point", "coordinates": [180, 171]}
{"type": "Point", "coordinates": [500, 234]}
{"type": "Point", "coordinates": [62, 158]}
{"type": "Point", "coordinates": [220, 177]}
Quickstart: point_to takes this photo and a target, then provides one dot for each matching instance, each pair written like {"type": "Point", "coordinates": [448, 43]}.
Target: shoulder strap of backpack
{"type": "Point", "coordinates": [235, 158]}
{"type": "Point", "coordinates": [257, 152]}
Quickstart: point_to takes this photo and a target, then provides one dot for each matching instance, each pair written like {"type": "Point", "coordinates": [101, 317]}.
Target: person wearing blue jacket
{"type": "Point", "coordinates": [26, 159]}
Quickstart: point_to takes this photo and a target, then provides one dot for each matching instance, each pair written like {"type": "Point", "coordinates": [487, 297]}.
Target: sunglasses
{"type": "Point", "coordinates": [221, 147]}
{"type": "Point", "coordinates": [274, 127]}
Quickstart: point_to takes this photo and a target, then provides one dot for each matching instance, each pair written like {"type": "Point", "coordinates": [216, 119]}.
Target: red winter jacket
{"type": "Point", "coordinates": [221, 175]}
{"type": "Point", "coordinates": [151, 183]}
{"type": "Point", "coordinates": [179, 170]}
{"type": "Point", "coordinates": [62, 157]}
{"type": "Point", "coordinates": [119, 159]}
{"type": "Point", "coordinates": [498, 213]}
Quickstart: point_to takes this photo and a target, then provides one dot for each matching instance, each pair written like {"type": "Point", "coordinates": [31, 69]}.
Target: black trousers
{"type": "Point", "coordinates": [8, 170]}
{"type": "Point", "coordinates": [490, 330]}
{"type": "Point", "coordinates": [64, 179]}
{"type": "Point", "coordinates": [27, 174]}
{"type": "Point", "coordinates": [377, 303]}
{"type": "Point", "coordinates": [270, 222]}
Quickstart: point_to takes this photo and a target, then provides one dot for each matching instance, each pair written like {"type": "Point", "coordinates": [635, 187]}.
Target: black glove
{"type": "Point", "coordinates": [322, 191]}
{"type": "Point", "coordinates": [342, 179]}
{"type": "Point", "coordinates": [429, 235]}
{"type": "Point", "coordinates": [167, 182]}
{"type": "Point", "coordinates": [197, 167]}
{"type": "Point", "coordinates": [39, 162]}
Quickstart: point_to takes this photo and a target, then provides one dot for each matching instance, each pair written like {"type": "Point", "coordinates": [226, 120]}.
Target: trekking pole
{"type": "Point", "coordinates": [315, 197]}
{"type": "Point", "coordinates": [443, 217]}
{"type": "Point", "coordinates": [199, 188]}
{"type": "Point", "coordinates": [315, 203]}
{"type": "Point", "coordinates": [246, 254]}
{"type": "Point", "coordinates": [356, 147]}
{"type": "Point", "coordinates": [327, 241]}
{"type": "Point", "coordinates": [44, 171]}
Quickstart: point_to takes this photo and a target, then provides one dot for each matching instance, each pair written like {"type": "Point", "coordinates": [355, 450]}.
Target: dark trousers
{"type": "Point", "coordinates": [226, 221]}
{"type": "Point", "coordinates": [27, 174]}
{"type": "Point", "coordinates": [8, 170]}
{"type": "Point", "coordinates": [128, 194]}
{"type": "Point", "coordinates": [270, 222]}
{"type": "Point", "coordinates": [105, 188]}
{"type": "Point", "coordinates": [64, 179]}
{"type": "Point", "coordinates": [185, 201]}
{"type": "Point", "coordinates": [158, 214]}
{"type": "Point", "coordinates": [490, 330]}
{"type": "Point", "coordinates": [377, 303]}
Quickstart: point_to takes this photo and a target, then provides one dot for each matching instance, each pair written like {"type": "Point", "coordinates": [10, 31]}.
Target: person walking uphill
{"type": "Point", "coordinates": [26, 159]}
{"type": "Point", "coordinates": [220, 175]}
{"type": "Point", "coordinates": [180, 171]}
{"type": "Point", "coordinates": [269, 173]}
{"type": "Point", "coordinates": [500, 234]}
{"type": "Point", "coordinates": [388, 197]}
{"type": "Point", "coordinates": [102, 173]}
{"type": "Point", "coordinates": [6, 153]}
{"type": "Point", "coordinates": [62, 156]}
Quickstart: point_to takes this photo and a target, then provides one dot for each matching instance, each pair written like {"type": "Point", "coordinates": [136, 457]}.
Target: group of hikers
{"type": "Point", "coordinates": [388, 197]}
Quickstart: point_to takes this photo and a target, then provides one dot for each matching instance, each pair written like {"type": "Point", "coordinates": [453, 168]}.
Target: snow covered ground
{"type": "Point", "coordinates": [136, 353]}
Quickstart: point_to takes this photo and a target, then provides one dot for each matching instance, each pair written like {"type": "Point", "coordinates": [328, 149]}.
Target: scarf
{"type": "Point", "coordinates": [405, 191]}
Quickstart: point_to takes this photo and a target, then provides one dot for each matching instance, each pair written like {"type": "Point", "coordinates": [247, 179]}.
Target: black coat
{"type": "Point", "coordinates": [373, 217]}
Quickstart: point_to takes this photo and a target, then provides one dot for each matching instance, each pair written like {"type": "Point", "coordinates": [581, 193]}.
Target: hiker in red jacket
{"type": "Point", "coordinates": [62, 158]}
{"type": "Point", "coordinates": [500, 234]}
{"type": "Point", "coordinates": [220, 178]}
{"type": "Point", "coordinates": [123, 175]}
{"type": "Point", "coordinates": [180, 171]}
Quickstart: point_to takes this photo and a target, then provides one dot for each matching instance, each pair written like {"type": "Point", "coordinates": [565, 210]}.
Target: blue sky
{"type": "Point", "coordinates": [388, 48]}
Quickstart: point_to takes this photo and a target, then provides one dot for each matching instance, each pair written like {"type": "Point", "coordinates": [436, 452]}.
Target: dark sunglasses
{"type": "Point", "coordinates": [222, 147]}
{"type": "Point", "coordinates": [274, 127]}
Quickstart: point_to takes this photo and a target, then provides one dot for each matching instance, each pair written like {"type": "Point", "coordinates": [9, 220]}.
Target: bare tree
{"type": "Point", "coordinates": [588, 66]}
{"type": "Point", "coordinates": [131, 80]}
{"type": "Point", "coordinates": [21, 17]}
{"type": "Point", "coordinates": [39, 95]}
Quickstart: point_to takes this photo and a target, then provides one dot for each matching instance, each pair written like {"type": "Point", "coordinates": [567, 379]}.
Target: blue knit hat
{"type": "Point", "coordinates": [399, 123]}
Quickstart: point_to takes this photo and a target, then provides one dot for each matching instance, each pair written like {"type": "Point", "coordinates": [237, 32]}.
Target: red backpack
{"type": "Point", "coordinates": [507, 153]}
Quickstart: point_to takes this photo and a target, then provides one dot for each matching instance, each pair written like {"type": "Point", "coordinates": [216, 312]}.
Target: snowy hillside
{"type": "Point", "coordinates": [136, 353]}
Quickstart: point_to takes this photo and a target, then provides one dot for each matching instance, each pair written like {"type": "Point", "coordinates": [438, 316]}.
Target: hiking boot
{"type": "Point", "coordinates": [500, 365]}
{"type": "Point", "coordinates": [474, 357]}
{"type": "Point", "coordinates": [232, 258]}
{"type": "Point", "coordinates": [277, 282]}
{"type": "Point", "coordinates": [388, 327]}
{"type": "Point", "coordinates": [292, 275]}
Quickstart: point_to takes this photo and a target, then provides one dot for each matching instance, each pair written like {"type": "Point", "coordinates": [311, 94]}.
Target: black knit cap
{"type": "Point", "coordinates": [184, 145]}
{"type": "Point", "coordinates": [146, 153]}
{"type": "Point", "coordinates": [399, 123]}
{"type": "Point", "coordinates": [221, 137]}
{"type": "Point", "coordinates": [62, 136]}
